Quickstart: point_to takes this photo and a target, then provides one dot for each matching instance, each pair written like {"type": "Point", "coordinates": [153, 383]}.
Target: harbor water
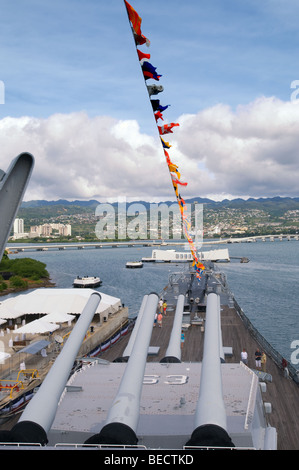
{"type": "Point", "coordinates": [266, 288]}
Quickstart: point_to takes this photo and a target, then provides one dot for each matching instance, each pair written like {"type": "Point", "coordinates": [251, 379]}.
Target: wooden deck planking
{"type": "Point", "coordinates": [282, 392]}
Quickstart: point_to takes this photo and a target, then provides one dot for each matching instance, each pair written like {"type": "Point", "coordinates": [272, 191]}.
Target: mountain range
{"type": "Point", "coordinates": [275, 205]}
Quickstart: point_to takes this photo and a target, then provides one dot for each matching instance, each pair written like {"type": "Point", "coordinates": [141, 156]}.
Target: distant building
{"type": "Point", "coordinates": [65, 230]}
{"type": "Point", "coordinates": [35, 231]}
{"type": "Point", "coordinates": [18, 229]}
{"type": "Point", "coordinates": [46, 230]}
{"type": "Point", "coordinates": [18, 226]}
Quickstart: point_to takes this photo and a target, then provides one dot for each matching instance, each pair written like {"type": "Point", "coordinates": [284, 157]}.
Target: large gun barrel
{"type": "Point", "coordinates": [221, 350]}
{"type": "Point", "coordinates": [123, 415]}
{"type": "Point", "coordinates": [128, 350]}
{"type": "Point", "coordinates": [210, 415]}
{"type": "Point", "coordinates": [39, 414]}
{"type": "Point", "coordinates": [13, 184]}
{"type": "Point", "coordinates": [173, 352]}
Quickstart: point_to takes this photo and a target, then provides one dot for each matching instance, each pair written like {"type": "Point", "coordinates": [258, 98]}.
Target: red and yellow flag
{"type": "Point", "coordinates": [136, 24]}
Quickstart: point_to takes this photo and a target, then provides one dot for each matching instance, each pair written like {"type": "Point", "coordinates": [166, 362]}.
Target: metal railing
{"type": "Point", "coordinates": [265, 345]}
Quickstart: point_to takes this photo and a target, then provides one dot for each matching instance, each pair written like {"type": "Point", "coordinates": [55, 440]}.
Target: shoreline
{"type": "Point", "coordinates": [31, 285]}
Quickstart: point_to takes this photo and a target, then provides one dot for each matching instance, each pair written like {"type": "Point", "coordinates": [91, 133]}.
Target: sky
{"type": "Point", "coordinates": [74, 96]}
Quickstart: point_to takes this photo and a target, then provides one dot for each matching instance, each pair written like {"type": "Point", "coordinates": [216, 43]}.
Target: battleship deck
{"type": "Point", "coordinates": [158, 406]}
{"type": "Point", "coordinates": [282, 392]}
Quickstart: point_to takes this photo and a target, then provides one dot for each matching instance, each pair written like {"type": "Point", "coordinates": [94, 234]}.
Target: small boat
{"type": "Point", "coordinates": [134, 264]}
{"type": "Point", "coordinates": [87, 281]}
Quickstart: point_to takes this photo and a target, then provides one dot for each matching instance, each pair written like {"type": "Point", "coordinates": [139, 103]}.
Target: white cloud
{"type": "Point", "coordinates": [252, 151]}
{"type": "Point", "coordinates": [81, 157]}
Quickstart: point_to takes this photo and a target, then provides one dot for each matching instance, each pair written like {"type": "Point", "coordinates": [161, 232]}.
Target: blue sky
{"type": "Point", "coordinates": [72, 56]}
{"type": "Point", "coordinates": [65, 56]}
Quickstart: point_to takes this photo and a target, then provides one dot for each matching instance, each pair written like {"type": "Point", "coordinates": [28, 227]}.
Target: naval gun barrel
{"type": "Point", "coordinates": [39, 414]}
{"type": "Point", "coordinates": [13, 184]}
{"type": "Point", "coordinates": [128, 350]}
{"type": "Point", "coordinates": [210, 415]}
{"type": "Point", "coordinates": [221, 350]}
{"type": "Point", "coordinates": [173, 352]}
{"type": "Point", "coordinates": [123, 415]}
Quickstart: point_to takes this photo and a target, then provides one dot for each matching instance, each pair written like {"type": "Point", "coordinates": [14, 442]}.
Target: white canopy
{"type": "Point", "coordinates": [58, 317]}
{"type": "Point", "coordinates": [7, 310]}
{"type": "Point", "coordinates": [37, 326]}
{"type": "Point", "coordinates": [49, 300]}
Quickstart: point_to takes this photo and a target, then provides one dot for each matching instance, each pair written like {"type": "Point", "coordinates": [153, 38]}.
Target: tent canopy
{"type": "Point", "coordinates": [58, 317]}
{"type": "Point", "coordinates": [46, 301]}
{"type": "Point", "coordinates": [37, 326]}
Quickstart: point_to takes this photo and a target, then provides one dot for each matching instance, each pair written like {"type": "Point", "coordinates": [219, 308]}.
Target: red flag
{"type": "Point", "coordinates": [142, 55]}
{"type": "Point", "coordinates": [167, 128]}
{"type": "Point", "coordinates": [176, 181]}
{"type": "Point", "coordinates": [167, 156]}
{"type": "Point", "coordinates": [158, 115]}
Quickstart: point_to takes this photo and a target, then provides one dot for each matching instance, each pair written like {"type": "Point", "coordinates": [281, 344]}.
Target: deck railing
{"type": "Point", "coordinates": [267, 347]}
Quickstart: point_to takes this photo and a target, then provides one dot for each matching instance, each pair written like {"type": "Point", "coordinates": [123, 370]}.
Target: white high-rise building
{"type": "Point", "coordinates": [18, 229]}
{"type": "Point", "coordinates": [18, 226]}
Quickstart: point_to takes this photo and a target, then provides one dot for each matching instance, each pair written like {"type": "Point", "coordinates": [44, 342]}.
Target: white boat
{"type": "Point", "coordinates": [87, 281]}
{"type": "Point", "coordinates": [134, 264]}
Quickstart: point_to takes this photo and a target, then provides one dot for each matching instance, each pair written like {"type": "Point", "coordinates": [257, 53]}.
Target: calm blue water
{"type": "Point", "coordinates": [130, 285]}
{"type": "Point", "coordinates": [266, 288]}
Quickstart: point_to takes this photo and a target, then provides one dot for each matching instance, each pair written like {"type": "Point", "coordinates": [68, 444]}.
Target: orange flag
{"type": "Point", "coordinates": [136, 24]}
